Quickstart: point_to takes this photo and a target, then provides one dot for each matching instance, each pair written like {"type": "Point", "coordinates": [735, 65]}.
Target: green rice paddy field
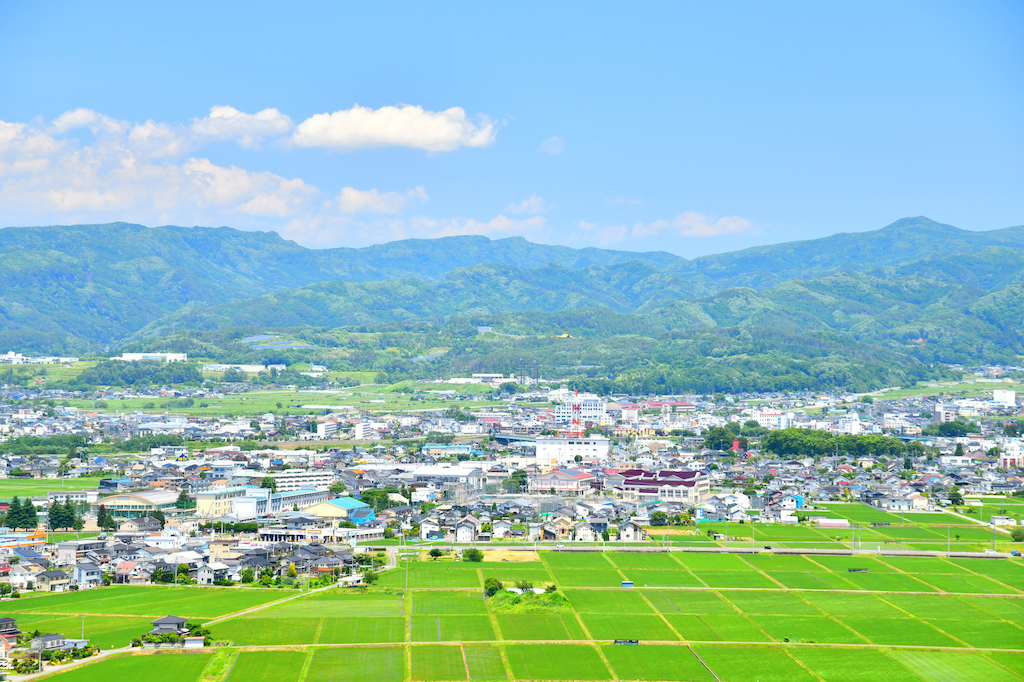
{"type": "Point", "coordinates": [872, 529]}
{"type": "Point", "coordinates": [696, 616]}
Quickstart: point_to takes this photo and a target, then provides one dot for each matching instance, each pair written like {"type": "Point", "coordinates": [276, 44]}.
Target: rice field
{"type": "Point", "coordinates": [694, 616]}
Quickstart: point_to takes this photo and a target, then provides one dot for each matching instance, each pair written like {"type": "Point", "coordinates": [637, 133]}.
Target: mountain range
{"type": "Point", "coordinates": [919, 288]}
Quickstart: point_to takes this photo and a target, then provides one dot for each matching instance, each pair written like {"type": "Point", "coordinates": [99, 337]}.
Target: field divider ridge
{"type": "Point", "coordinates": [504, 661]}
{"type": "Point", "coordinates": [925, 621]}
{"type": "Point", "coordinates": [1015, 593]}
{"type": "Point", "coordinates": [319, 630]}
{"type": "Point", "coordinates": [708, 667]}
{"type": "Point", "coordinates": [662, 616]}
{"type": "Point", "coordinates": [792, 656]}
{"type": "Point", "coordinates": [608, 664]}
{"type": "Point", "coordinates": [306, 665]}
{"type": "Point", "coordinates": [465, 662]}
{"type": "Point", "coordinates": [260, 607]}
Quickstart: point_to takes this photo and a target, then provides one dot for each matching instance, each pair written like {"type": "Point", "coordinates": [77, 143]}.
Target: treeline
{"type": "Point", "coordinates": [117, 373]}
{"type": "Point", "coordinates": [144, 443]}
{"type": "Point", "coordinates": [35, 445]}
{"type": "Point", "coordinates": [815, 443]}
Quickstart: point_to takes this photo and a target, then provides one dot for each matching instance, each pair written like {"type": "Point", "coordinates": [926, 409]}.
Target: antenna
{"type": "Point", "coordinates": [576, 409]}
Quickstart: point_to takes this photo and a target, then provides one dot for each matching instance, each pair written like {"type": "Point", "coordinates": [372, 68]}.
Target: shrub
{"type": "Point", "coordinates": [474, 555]}
{"type": "Point", "coordinates": [492, 586]}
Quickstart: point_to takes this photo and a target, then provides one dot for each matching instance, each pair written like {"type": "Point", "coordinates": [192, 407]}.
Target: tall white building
{"type": "Point", "coordinates": [592, 409]}
{"type": "Point", "coordinates": [552, 451]}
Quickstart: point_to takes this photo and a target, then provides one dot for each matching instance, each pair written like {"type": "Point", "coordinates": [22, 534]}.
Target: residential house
{"type": "Point", "coordinates": [465, 530]}
{"type": "Point", "coordinates": [631, 531]}
{"type": "Point", "coordinates": [169, 624]}
{"type": "Point", "coordinates": [52, 581]}
{"type": "Point", "coordinates": [583, 532]}
{"type": "Point", "coordinates": [212, 572]}
{"type": "Point", "coordinates": [87, 575]}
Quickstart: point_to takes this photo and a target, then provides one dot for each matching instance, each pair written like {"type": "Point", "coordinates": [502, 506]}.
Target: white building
{"type": "Point", "coordinates": [552, 451]}
{"type": "Point", "coordinates": [849, 424]}
{"type": "Point", "coordinates": [1013, 456]}
{"type": "Point", "coordinates": [592, 409]}
{"type": "Point", "coordinates": [772, 419]}
{"type": "Point", "coordinates": [162, 357]}
{"type": "Point", "coordinates": [327, 429]}
{"type": "Point", "coordinates": [1004, 398]}
{"type": "Point", "coordinates": [296, 479]}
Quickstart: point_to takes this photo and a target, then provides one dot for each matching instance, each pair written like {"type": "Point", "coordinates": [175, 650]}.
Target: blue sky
{"type": "Point", "coordinates": [689, 127]}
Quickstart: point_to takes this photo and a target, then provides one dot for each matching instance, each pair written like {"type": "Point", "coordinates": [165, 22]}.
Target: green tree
{"type": "Point", "coordinates": [1017, 534]}
{"type": "Point", "coordinates": [337, 488]}
{"type": "Point", "coordinates": [659, 518]}
{"type": "Point", "coordinates": [159, 516]}
{"type": "Point", "coordinates": [718, 438]}
{"type": "Point", "coordinates": [184, 501]}
{"type": "Point", "coordinates": [474, 555]}
{"type": "Point", "coordinates": [492, 586]}
{"type": "Point", "coordinates": [60, 515]}
{"type": "Point", "coordinates": [15, 518]}
{"type": "Point", "coordinates": [105, 519]}
{"type": "Point", "coordinates": [269, 482]}
{"type": "Point", "coordinates": [435, 553]}
{"type": "Point", "coordinates": [248, 575]}
{"type": "Point", "coordinates": [29, 518]}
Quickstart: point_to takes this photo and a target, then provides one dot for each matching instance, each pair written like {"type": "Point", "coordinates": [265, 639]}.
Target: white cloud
{"type": "Point", "coordinates": [228, 123]}
{"type": "Point", "coordinates": [693, 224]}
{"type": "Point", "coordinates": [125, 174]}
{"type": "Point", "coordinates": [352, 200]}
{"type": "Point", "coordinates": [499, 225]}
{"type": "Point", "coordinates": [404, 126]}
{"type": "Point", "coordinates": [87, 118]}
{"type": "Point", "coordinates": [553, 146]}
{"type": "Point", "coordinates": [602, 235]}
{"type": "Point", "coordinates": [532, 204]}
{"type": "Point", "coordinates": [154, 173]}
{"type": "Point", "coordinates": [159, 140]}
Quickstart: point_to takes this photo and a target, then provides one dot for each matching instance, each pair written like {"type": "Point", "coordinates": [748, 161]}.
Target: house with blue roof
{"type": "Point", "coordinates": [343, 508]}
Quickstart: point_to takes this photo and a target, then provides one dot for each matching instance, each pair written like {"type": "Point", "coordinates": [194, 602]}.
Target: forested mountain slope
{"type": "Point", "coordinates": [917, 286]}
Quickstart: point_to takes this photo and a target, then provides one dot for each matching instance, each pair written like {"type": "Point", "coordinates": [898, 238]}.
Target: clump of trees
{"type": "Point", "coordinates": [118, 373]}
{"type": "Point", "coordinates": [62, 515]}
{"type": "Point", "coordinates": [20, 515]}
{"type": "Point", "coordinates": [814, 443]}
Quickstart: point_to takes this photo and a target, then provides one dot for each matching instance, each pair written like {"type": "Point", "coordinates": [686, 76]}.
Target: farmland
{"type": "Point", "coordinates": [870, 528]}
{"type": "Point", "coordinates": [404, 396]}
{"type": "Point", "coordinates": [696, 616]}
